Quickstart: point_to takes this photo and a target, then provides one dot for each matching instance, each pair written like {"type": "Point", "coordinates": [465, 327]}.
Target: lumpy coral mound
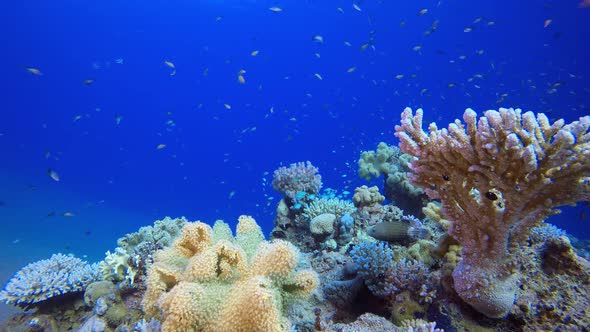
{"type": "Point", "coordinates": [209, 280]}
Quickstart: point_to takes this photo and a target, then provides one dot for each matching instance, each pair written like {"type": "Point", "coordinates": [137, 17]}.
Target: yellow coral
{"type": "Point", "coordinates": [159, 280]}
{"type": "Point", "coordinates": [248, 234]}
{"type": "Point", "coordinates": [275, 259]}
{"type": "Point", "coordinates": [246, 224]}
{"type": "Point", "coordinates": [222, 260]}
{"type": "Point", "coordinates": [304, 283]}
{"type": "Point", "coordinates": [195, 237]}
{"type": "Point", "coordinates": [218, 289]}
{"type": "Point", "coordinates": [181, 307]}
{"type": "Point", "coordinates": [253, 305]}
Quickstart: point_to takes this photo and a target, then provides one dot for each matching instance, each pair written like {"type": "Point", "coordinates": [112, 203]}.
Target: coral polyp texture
{"type": "Point", "coordinates": [497, 177]}
{"type": "Point", "coordinates": [210, 281]}
{"type": "Point", "coordinates": [297, 178]}
{"type": "Point", "coordinates": [39, 281]}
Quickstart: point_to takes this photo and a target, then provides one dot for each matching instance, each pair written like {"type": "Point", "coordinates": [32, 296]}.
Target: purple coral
{"type": "Point", "coordinates": [385, 277]}
{"type": "Point", "coordinates": [298, 177]}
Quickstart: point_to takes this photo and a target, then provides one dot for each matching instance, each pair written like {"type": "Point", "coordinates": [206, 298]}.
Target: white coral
{"type": "Point", "coordinates": [44, 279]}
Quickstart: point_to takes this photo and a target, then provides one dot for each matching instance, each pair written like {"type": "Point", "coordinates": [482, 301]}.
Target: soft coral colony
{"type": "Point", "coordinates": [464, 229]}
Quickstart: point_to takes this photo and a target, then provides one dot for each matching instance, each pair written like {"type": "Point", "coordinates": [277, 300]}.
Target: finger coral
{"type": "Point", "coordinates": [497, 177]}
{"type": "Point", "coordinates": [232, 284]}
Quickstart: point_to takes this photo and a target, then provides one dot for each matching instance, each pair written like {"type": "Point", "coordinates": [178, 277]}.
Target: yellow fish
{"type": "Point", "coordinates": [34, 71]}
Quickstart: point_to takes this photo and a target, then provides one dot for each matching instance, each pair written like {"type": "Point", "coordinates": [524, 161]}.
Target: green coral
{"type": "Point", "coordinates": [334, 206]}
{"type": "Point", "coordinates": [162, 233]}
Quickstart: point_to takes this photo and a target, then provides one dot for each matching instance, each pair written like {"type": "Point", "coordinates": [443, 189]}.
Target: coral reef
{"type": "Point", "coordinates": [297, 178]}
{"type": "Point", "coordinates": [334, 206]}
{"type": "Point", "coordinates": [119, 266]}
{"type": "Point", "coordinates": [239, 285]}
{"type": "Point", "coordinates": [365, 196]}
{"type": "Point", "coordinates": [394, 165]}
{"type": "Point", "coordinates": [497, 178]}
{"type": "Point", "coordinates": [161, 234]}
{"type": "Point", "coordinates": [42, 280]}
{"type": "Point", "coordinates": [386, 277]}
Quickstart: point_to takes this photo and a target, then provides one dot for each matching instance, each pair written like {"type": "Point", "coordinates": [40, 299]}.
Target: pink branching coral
{"type": "Point", "coordinates": [298, 177]}
{"type": "Point", "coordinates": [497, 178]}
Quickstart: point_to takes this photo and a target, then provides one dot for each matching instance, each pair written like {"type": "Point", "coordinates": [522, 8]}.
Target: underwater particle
{"type": "Point", "coordinates": [399, 76]}
{"type": "Point", "coordinates": [254, 53]}
{"type": "Point", "coordinates": [423, 11]}
{"type": "Point", "coordinates": [451, 85]}
{"type": "Point", "coordinates": [351, 69]}
{"type": "Point", "coordinates": [227, 106]}
{"type": "Point", "coordinates": [68, 214]}
{"type": "Point", "coordinates": [52, 174]}
{"type": "Point", "coordinates": [77, 117]}
{"type": "Point", "coordinates": [356, 7]}
{"type": "Point", "coordinates": [88, 81]}
{"type": "Point", "coordinates": [417, 48]}
{"type": "Point", "coordinates": [241, 79]}
{"type": "Point", "coordinates": [118, 119]}
{"type": "Point", "coordinates": [231, 194]}
{"type": "Point", "coordinates": [160, 146]}
{"type": "Point", "coordinates": [319, 77]}
{"type": "Point", "coordinates": [275, 9]}
{"type": "Point", "coordinates": [547, 22]}
{"type": "Point", "coordinates": [347, 43]}
{"type": "Point", "coordinates": [34, 71]}
{"type": "Point", "coordinates": [119, 61]}
{"type": "Point", "coordinates": [468, 29]}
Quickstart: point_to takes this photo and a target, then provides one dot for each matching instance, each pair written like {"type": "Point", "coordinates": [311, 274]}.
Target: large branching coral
{"type": "Point", "coordinates": [497, 178]}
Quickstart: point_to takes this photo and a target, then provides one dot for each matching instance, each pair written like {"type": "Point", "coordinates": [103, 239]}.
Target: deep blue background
{"type": "Point", "coordinates": [115, 180]}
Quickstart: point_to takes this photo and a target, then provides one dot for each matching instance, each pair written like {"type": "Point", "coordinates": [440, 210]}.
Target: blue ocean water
{"type": "Point", "coordinates": [325, 82]}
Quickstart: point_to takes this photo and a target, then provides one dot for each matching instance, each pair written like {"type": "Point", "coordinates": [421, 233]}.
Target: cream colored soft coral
{"type": "Point", "coordinates": [254, 304]}
{"type": "Point", "coordinates": [193, 239]}
{"type": "Point", "coordinates": [181, 307]}
{"type": "Point", "coordinates": [231, 292]}
{"type": "Point", "coordinates": [497, 177]}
